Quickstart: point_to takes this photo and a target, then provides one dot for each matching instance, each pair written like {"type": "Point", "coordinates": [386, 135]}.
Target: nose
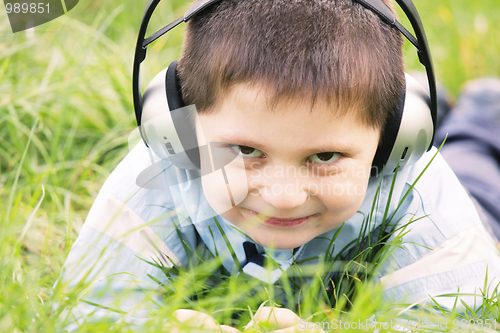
{"type": "Point", "coordinates": [283, 194]}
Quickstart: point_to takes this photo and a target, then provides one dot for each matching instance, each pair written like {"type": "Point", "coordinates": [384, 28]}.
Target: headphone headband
{"type": "Point", "coordinates": [424, 55]}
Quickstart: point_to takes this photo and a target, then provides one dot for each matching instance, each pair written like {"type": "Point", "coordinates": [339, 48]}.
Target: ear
{"type": "Point", "coordinates": [408, 132]}
{"type": "Point", "coordinates": [167, 125]}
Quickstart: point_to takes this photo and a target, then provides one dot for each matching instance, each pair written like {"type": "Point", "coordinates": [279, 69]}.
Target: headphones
{"type": "Point", "coordinates": [166, 124]}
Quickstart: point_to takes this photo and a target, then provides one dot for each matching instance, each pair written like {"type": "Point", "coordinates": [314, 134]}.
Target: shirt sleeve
{"type": "Point", "coordinates": [461, 264]}
{"type": "Point", "coordinates": [447, 249]}
{"type": "Point", "coordinates": [107, 271]}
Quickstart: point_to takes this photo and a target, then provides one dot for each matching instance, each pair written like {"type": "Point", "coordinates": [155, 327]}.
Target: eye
{"type": "Point", "coordinates": [324, 158]}
{"type": "Point", "coordinates": [247, 151]}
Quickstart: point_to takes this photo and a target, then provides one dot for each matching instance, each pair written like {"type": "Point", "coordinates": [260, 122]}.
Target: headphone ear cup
{"type": "Point", "coordinates": [168, 125]}
{"type": "Point", "coordinates": [408, 132]}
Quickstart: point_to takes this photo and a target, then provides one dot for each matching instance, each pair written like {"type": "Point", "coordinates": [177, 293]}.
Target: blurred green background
{"type": "Point", "coordinates": [66, 112]}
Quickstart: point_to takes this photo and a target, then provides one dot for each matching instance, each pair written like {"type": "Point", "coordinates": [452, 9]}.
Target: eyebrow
{"type": "Point", "coordinates": [341, 147]}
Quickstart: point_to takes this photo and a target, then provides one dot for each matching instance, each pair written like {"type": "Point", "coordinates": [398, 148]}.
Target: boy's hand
{"type": "Point", "coordinates": [194, 321]}
{"type": "Point", "coordinates": [281, 320]}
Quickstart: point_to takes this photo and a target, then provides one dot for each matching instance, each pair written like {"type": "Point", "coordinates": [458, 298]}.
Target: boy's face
{"type": "Point", "coordinates": [306, 169]}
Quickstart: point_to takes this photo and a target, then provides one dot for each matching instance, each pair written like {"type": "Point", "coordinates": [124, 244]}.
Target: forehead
{"type": "Point", "coordinates": [245, 116]}
{"type": "Point", "coordinates": [262, 98]}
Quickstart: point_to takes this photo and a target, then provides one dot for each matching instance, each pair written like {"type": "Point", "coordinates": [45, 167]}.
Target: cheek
{"type": "Point", "coordinates": [226, 187]}
{"type": "Point", "coordinates": [343, 196]}
{"type": "Point", "coordinates": [216, 192]}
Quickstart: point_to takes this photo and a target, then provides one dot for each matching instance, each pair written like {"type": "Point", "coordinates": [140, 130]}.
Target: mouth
{"type": "Point", "coordinates": [283, 222]}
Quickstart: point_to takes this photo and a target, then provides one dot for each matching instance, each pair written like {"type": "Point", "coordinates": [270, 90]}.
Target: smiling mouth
{"type": "Point", "coordinates": [282, 222]}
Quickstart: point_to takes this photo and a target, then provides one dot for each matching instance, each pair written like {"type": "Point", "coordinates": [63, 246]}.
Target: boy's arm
{"type": "Point", "coordinates": [462, 263]}
{"type": "Point", "coordinates": [105, 274]}
{"type": "Point", "coordinates": [447, 246]}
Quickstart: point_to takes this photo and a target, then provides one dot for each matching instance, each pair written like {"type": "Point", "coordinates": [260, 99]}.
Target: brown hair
{"type": "Point", "coordinates": [335, 50]}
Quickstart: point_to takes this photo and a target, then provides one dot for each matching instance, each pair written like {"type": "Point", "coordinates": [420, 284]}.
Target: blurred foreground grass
{"type": "Point", "coordinates": [66, 112]}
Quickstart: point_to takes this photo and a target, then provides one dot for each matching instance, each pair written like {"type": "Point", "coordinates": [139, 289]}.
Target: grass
{"type": "Point", "coordinates": [66, 112]}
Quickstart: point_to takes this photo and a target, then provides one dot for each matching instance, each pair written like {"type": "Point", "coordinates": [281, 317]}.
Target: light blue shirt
{"type": "Point", "coordinates": [446, 247]}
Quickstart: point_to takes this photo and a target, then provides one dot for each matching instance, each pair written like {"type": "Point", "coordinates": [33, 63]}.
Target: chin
{"type": "Point", "coordinates": [280, 244]}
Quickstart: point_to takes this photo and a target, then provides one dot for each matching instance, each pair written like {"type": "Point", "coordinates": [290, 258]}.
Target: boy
{"type": "Point", "coordinates": [298, 92]}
